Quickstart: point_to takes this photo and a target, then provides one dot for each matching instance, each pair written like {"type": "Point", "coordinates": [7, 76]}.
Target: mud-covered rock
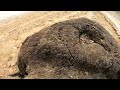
{"type": "Point", "coordinates": [79, 43]}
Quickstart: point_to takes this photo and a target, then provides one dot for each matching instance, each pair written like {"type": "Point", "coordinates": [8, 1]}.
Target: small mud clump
{"type": "Point", "coordinates": [81, 43]}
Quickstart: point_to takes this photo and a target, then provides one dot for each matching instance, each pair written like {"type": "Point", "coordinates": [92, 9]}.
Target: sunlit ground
{"type": "Point", "coordinates": [6, 14]}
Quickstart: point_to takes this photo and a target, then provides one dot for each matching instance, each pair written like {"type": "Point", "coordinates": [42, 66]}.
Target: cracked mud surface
{"type": "Point", "coordinates": [14, 32]}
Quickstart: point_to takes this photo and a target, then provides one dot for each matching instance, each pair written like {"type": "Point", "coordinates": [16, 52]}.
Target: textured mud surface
{"type": "Point", "coordinates": [78, 45]}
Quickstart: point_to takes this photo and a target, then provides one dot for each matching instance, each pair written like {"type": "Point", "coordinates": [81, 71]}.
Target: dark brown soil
{"type": "Point", "coordinates": [79, 43]}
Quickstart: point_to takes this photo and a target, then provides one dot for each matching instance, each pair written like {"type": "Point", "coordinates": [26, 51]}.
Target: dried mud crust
{"type": "Point", "coordinates": [79, 43]}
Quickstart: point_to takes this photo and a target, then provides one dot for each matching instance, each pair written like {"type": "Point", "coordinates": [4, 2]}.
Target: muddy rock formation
{"type": "Point", "coordinates": [80, 43]}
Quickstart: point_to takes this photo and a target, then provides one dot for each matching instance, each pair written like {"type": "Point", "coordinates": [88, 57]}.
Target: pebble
{"type": "Point", "coordinates": [86, 73]}
{"type": "Point", "coordinates": [4, 66]}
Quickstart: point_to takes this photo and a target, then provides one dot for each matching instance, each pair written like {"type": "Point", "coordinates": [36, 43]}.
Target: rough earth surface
{"type": "Point", "coordinates": [15, 31]}
{"type": "Point", "coordinates": [78, 43]}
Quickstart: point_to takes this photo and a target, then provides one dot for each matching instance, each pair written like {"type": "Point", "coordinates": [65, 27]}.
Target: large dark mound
{"type": "Point", "coordinates": [80, 43]}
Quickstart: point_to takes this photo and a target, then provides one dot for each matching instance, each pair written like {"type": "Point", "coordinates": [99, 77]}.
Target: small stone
{"type": "Point", "coordinates": [86, 73]}
{"type": "Point", "coordinates": [4, 66]}
{"type": "Point", "coordinates": [91, 41]}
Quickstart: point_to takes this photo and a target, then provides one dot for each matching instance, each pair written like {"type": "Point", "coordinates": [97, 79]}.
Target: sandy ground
{"type": "Point", "coordinates": [15, 30]}
{"type": "Point", "coordinates": [114, 19]}
{"type": "Point", "coordinates": [7, 14]}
